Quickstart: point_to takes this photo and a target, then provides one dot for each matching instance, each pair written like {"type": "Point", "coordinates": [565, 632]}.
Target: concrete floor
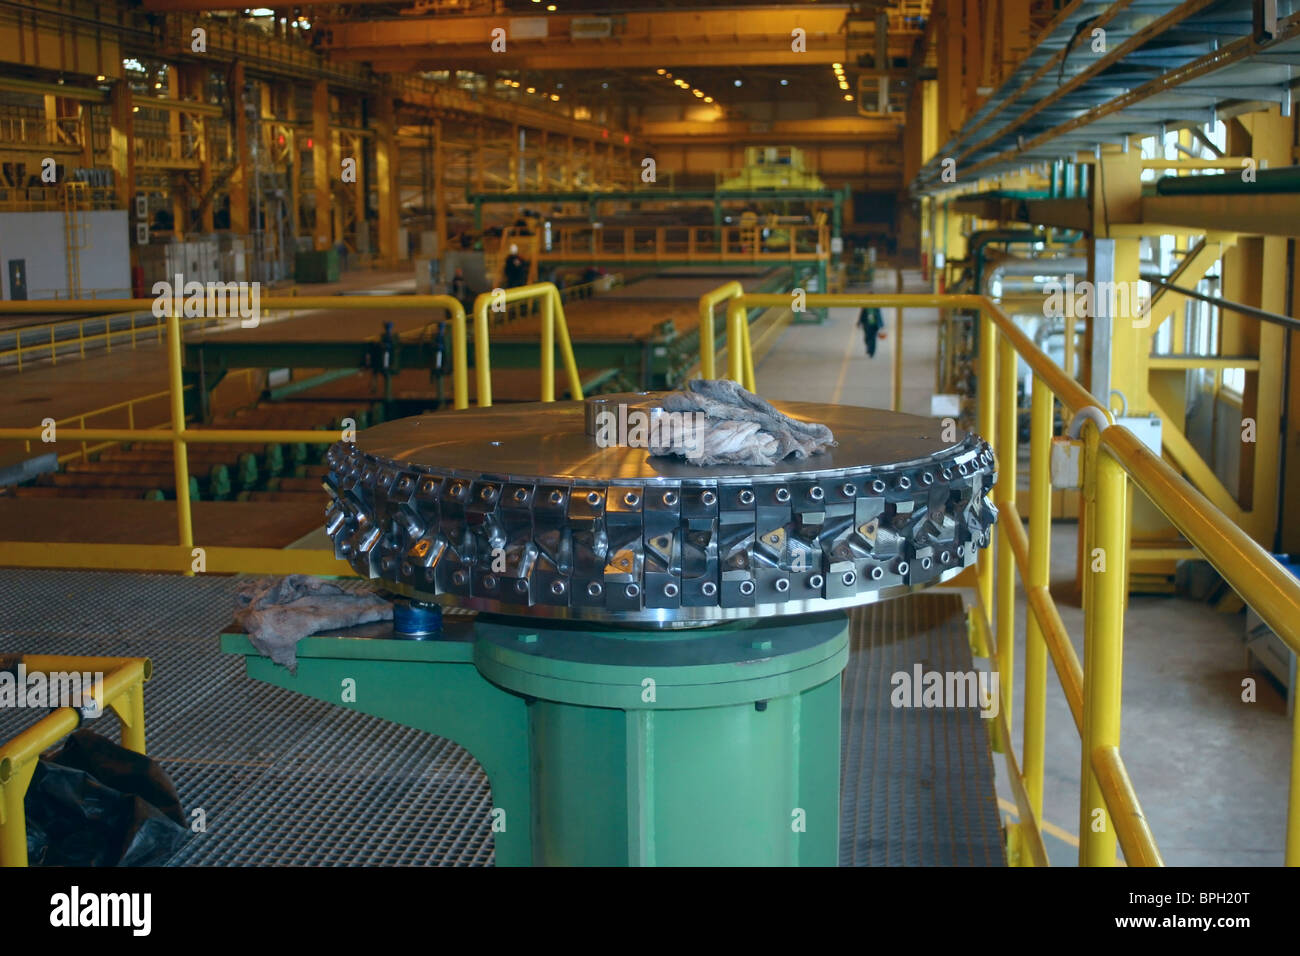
{"type": "Point", "coordinates": [1210, 771]}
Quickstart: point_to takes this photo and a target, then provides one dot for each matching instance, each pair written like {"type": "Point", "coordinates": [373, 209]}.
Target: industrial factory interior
{"type": "Point", "coordinates": [655, 433]}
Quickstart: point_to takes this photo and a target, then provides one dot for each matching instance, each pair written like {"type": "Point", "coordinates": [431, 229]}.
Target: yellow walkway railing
{"type": "Point", "coordinates": [117, 683]}
{"type": "Point", "coordinates": [552, 322]}
{"type": "Point", "coordinates": [1113, 457]}
{"type": "Point", "coordinates": [184, 556]}
{"type": "Point", "coordinates": [44, 341]}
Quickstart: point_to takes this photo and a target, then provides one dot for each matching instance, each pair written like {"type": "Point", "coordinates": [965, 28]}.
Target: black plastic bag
{"type": "Point", "coordinates": [98, 804]}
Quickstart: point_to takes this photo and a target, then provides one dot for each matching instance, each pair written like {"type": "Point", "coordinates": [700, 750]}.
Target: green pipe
{"type": "Point", "coordinates": [302, 385]}
{"type": "Point", "coordinates": [1283, 180]}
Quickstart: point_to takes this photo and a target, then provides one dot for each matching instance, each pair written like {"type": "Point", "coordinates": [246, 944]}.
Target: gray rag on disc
{"type": "Point", "coordinates": [740, 428]}
{"type": "Point", "coordinates": [279, 612]}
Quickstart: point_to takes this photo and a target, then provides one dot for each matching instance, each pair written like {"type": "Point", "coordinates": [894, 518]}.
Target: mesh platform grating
{"type": "Point", "coordinates": [286, 780]}
{"type": "Point", "coordinates": [917, 786]}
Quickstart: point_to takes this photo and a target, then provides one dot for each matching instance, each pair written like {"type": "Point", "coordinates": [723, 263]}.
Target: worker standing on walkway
{"type": "Point", "coordinates": [872, 324]}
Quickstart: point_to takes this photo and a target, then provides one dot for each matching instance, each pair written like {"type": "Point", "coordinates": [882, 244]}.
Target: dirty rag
{"type": "Point", "coordinates": [277, 613]}
{"type": "Point", "coordinates": [738, 428]}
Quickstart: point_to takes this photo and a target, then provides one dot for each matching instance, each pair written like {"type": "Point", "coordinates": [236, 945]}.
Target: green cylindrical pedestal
{"type": "Point", "coordinates": [717, 746]}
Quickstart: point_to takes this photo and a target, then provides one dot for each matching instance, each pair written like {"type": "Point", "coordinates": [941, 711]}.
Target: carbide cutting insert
{"type": "Point", "coordinates": [518, 510]}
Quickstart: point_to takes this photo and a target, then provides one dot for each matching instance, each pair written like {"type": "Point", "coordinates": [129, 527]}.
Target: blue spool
{"type": "Point", "coordinates": [413, 619]}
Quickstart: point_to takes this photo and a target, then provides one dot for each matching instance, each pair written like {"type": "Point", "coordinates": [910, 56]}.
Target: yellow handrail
{"type": "Point", "coordinates": [121, 688]}
{"type": "Point", "coordinates": [552, 322]}
{"type": "Point", "coordinates": [1113, 456]}
{"type": "Point", "coordinates": [708, 334]}
{"type": "Point", "coordinates": [184, 556]}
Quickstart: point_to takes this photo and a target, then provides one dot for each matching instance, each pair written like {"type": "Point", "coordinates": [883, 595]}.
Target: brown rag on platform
{"type": "Point", "coordinates": [279, 612]}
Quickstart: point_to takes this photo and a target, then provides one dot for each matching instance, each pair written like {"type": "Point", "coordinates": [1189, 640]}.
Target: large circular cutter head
{"type": "Point", "coordinates": [524, 510]}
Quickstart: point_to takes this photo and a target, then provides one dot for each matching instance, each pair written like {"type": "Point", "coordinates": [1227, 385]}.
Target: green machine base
{"type": "Point", "coordinates": [607, 746]}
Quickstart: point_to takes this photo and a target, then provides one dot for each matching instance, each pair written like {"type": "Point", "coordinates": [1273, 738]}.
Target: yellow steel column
{"type": "Point", "coordinates": [180, 207]}
{"type": "Point", "coordinates": [439, 188]}
{"type": "Point", "coordinates": [358, 189]}
{"type": "Point", "coordinates": [1007, 450]}
{"type": "Point", "coordinates": [1040, 531]}
{"type": "Point", "coordinates": [241, 160]}
{"type": "Point", "coordinates": [122, 143]}
{"type": "Point", "coordinates": [1106, 488]}
{"type": "Point", "coordinates": [386, 180]}
{"type": "Point", "coordinates": [986, 382]}
{"type": "Point", "coordinates": [322, 236]}
{"type": "Point", "coordinates": [195, 76]}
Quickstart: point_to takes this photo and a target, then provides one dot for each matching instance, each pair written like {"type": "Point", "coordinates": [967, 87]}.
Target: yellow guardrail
{"type": "Point", "coordinates": [47, 340]}
{"type": "Point", "coordinates": [649, 244]}
{"type": "Point", "coordinates": [184, 556]}
{"type": "Point", "coordinates": [552, 322]}
{"type": "Point", "coordinates": [129, 406]}
{"type": "Point", "coordinates": [1113, 457]}
{"type": "Point", "coordinates": [708, 334]}
{"type": "Point", "coordinates": [117, 683]}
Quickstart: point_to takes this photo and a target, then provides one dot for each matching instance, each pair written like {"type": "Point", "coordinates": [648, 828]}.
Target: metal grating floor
{"type": "Point", "coordinates": [916, 784]}
{"type": "Point", "coordinates": [286, 780]}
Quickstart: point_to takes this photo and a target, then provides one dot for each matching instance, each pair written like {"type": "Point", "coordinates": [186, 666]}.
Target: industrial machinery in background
{"type": "Point", "coordinates": [651, 672]}
{"type": "Point", "coordinates": [771, 167]}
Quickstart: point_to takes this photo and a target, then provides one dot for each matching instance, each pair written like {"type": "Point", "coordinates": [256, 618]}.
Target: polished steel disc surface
{"type": "Point", "coordinates": [530, 510]}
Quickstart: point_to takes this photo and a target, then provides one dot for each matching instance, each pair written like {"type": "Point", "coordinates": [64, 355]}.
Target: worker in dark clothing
{"type": "Point", "coordinates": [460, 290]}
{"type": "Point", "coordinates": [516, 269]}
{"type": "Point", "coordinates": [872, 323]}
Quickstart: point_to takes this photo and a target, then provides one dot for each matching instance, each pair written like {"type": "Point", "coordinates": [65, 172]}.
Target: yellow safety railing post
{"type": "Point", "coordinates": [566, 345]}
{"type": "Point", "coordinates": [482, 355]}
{"type": "Point", "coordinates": [14, 782]}
{"type": "Point", "coordinates": [553, 328]}
{"type": "Point", "coordinates": [1007, 412]}
{"type": "Point", "coordinates": [736, 340]}
{"type": "Point", "coordinates": [181, 466]}
{"type": "Point", "coordinates": [548, 349]}
{"type": "Point", "coordinates": [118, 684]}
{"type": "Point", "coordinates": [986, 380]}
{"type": "Point", "coordinates": [1106, 487]}
{"type": "Point", "coordinates": [1040, 531]}
{"type": "Point", "coordinates": [708, 330]}
{"type": "Point", "coordinates": [747, 352]}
